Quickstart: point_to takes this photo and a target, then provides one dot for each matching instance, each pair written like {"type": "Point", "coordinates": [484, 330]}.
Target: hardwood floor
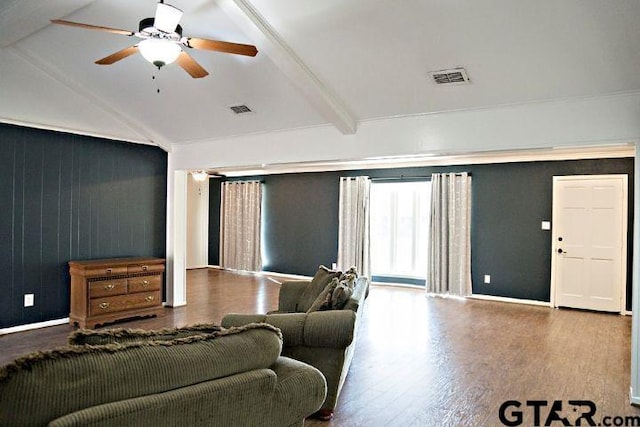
{"type": "Point", "coordinates": [429, 361]}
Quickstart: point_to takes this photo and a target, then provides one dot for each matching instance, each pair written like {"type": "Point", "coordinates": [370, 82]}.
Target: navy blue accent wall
{"type": "Point", "coordinates": [509, 200]}
{"type": "Point", "coordinates": [65, 197]}
{"type": "Point", "coordinates": [300, 219]}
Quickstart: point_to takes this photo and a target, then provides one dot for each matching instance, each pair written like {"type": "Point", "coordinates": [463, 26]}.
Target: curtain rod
{"type": "Point", "coordinates": [394, 178]}
{"type": "Point", "coordinates": [390, 178]}
{"type": "Point", "coordinates": [245, 181]}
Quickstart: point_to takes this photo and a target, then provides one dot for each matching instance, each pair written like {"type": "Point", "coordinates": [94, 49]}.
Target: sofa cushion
{"type": "Point", "coordinates": [323, 300]}
{"type": "Point", "coordinates": [320, 281]}
{"type": "Point", "coordinates": [123, 335]}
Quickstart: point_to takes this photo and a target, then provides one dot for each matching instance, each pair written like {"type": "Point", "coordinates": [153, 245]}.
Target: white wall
{"type": "Point", "coordinates": [176, 275]}
{"type": "Point", "coordinates": [587, 121]}
{"type": "Point", "coordinates": [635, 321]}
{"type": "Point", "coordinates": [197, 223]}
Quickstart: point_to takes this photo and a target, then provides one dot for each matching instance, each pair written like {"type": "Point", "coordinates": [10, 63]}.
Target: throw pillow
{"type": "Point", "coordinates": [349, 280]}
{"type": "Point", "coordinates": [323, 300]}
{"type": "Point", "coordinates": [350, 271]}
{"type": "Point", "coordinates": [340, 296]}
{"type": "Point", "coordinates": [320, 281]}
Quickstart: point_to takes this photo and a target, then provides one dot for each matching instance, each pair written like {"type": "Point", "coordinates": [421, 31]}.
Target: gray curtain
{"type": "Point", "coordinates": [240, 220]}
{"type": "Point", "coordinates": [353, 217]}
{"type": "Point", "coordinates": [450, 243]}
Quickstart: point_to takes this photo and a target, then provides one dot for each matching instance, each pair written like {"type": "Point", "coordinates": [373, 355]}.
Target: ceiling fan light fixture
{"type": "Point", "coordinates": [159, 52]}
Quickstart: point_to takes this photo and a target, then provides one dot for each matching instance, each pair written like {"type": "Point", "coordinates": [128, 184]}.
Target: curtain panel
{"type": "Point", "coordinates": [450, 244]}
{"type": "Point", "coordinates": [240, 219]}
{"type": "Point", "coordinates": [353, 223]}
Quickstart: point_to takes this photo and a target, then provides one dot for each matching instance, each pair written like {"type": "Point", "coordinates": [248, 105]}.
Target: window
{"type": "Point", "coordinates": [400, 213]}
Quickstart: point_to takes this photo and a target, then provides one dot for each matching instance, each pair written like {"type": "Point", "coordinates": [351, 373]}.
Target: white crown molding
{"type": "Point", "coordinates": [46, 126]}
{"type": "Point", "coordinates": [513, 156]}
{"type": "Point", "coordinates": [274, 46]}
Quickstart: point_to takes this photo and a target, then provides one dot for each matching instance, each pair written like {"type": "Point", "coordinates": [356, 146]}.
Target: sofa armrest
{"type": "Point", "coordinates": [290, 292]}
{"type": "Point", "coordinates": [290, 324]}
{"type": "Point", "coordinates": [330, 329]}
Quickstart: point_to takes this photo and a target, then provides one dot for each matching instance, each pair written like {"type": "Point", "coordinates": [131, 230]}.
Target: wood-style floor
{"type": "Point", "coordinates": [429, 361]}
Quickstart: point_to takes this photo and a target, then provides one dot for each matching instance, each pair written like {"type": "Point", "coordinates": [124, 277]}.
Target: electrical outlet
{"type": "Point", "coordinates": [28, 300]}
{"type": "Point", "coordinates": [546, 225]}
{"type": "Point", "coordinates": [487, 278]}
{"type": "Point", "coordinates": [334, 266]}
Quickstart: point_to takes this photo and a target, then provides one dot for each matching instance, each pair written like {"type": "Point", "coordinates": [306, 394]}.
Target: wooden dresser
{"type": "Point", "coordinates": [106, 290]}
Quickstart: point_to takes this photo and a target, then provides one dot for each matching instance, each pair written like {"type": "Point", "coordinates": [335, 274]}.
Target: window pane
{"type": "Point", "coordinates": [400, 215]}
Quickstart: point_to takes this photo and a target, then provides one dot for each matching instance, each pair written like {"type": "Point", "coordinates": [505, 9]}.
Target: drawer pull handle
{"type": "Point", "coordinates": [145, 268]}
{"type": "Point", "coordinates": [104, 305]}
{"type": "Point", "coordinates": [109, 270]}
{"type": "Point", "coordinates": [145, 283]}
{"type": "Point", "coordinates": [150, 298]}
{"type": "Point", "coordinates": [109, 287]}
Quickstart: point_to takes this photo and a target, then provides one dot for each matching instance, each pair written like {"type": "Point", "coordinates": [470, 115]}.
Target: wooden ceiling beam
{"type": "Point", "coordinates": [269, 42]}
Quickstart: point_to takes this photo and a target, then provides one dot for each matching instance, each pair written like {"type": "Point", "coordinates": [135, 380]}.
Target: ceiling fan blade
{"type": "Point", "coordinates": [191, 66]}
{"type": "Point", "coordinates": [115, 57]}
{"type": "Point", "coordinates": [219, 46]}
{"type": "Point", "coordinates": [92, 27]}
{"type": "Point", "coordinates": [167, 17]}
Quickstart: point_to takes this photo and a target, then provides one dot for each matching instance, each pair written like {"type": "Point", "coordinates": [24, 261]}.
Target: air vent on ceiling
{"type": "Point", "coordinates": [452, 76]}
{"type": "Point", "coordinates": [240, 109]}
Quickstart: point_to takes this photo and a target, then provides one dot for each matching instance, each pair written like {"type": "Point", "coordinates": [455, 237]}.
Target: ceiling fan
{"type": "Point", "coordinates": [162, 41]}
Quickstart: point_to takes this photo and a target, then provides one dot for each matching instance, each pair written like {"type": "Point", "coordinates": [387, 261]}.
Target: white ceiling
{"type": "Point", "coordinates": [333, 62]}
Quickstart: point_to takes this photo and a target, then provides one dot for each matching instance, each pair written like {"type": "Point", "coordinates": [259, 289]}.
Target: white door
{"type": "Point", "coordinates": [588, 264]}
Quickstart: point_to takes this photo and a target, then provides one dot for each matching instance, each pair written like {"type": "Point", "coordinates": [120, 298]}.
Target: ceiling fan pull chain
{"type": "Point", "coordinates": [153, 77]}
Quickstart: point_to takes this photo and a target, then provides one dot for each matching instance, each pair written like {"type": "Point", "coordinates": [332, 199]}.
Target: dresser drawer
{"type": "Point", "coordinates": [125, 302]}
{"type": "Point", "coordinates": [144, 283]}
{"type": "Point", "coordinates": [104, 288]}
{"type": "Point", "coordinates": [105, 271]}
{"type": "Point", "coordinates": [144, 268]}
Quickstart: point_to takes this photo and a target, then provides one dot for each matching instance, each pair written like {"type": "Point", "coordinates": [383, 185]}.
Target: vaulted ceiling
{"type": "Point", "coordinates": [336, 63]}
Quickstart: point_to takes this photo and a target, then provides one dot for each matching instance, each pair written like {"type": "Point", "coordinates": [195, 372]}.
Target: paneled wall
{"type": "Point", "coordinates": [65, 197]}
{"type": "Point", "coordinates": [509, 201]}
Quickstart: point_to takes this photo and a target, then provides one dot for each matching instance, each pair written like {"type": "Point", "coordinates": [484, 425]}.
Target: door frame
{"type": "Point", "coordinates": [625, 227]}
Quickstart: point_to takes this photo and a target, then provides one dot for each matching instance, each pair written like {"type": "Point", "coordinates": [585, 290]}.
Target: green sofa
{"type": "Point", "coordinates": [324, 339]}
{"type": "Point", "coordinates": [196, 376]}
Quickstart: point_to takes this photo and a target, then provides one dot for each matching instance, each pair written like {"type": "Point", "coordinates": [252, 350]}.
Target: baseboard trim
{"type": "Point", "coordinates": [30, 326]}
{"type": "Point", "coordinates": [268, 274]}
{"type": "Point", "coordinates": [627, 313]}
{"type": "Point", "coordinates": [285, 275]}
{"type": "Point", "coordinates": [398, 285]}
{"type": "Point", "coordinates": [510, 300]}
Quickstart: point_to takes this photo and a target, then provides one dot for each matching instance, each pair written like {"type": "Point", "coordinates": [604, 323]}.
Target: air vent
{"type": "Point", "coordinates": [452, 76]}
{"type": "Point", "coordinates": [241, 109]}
